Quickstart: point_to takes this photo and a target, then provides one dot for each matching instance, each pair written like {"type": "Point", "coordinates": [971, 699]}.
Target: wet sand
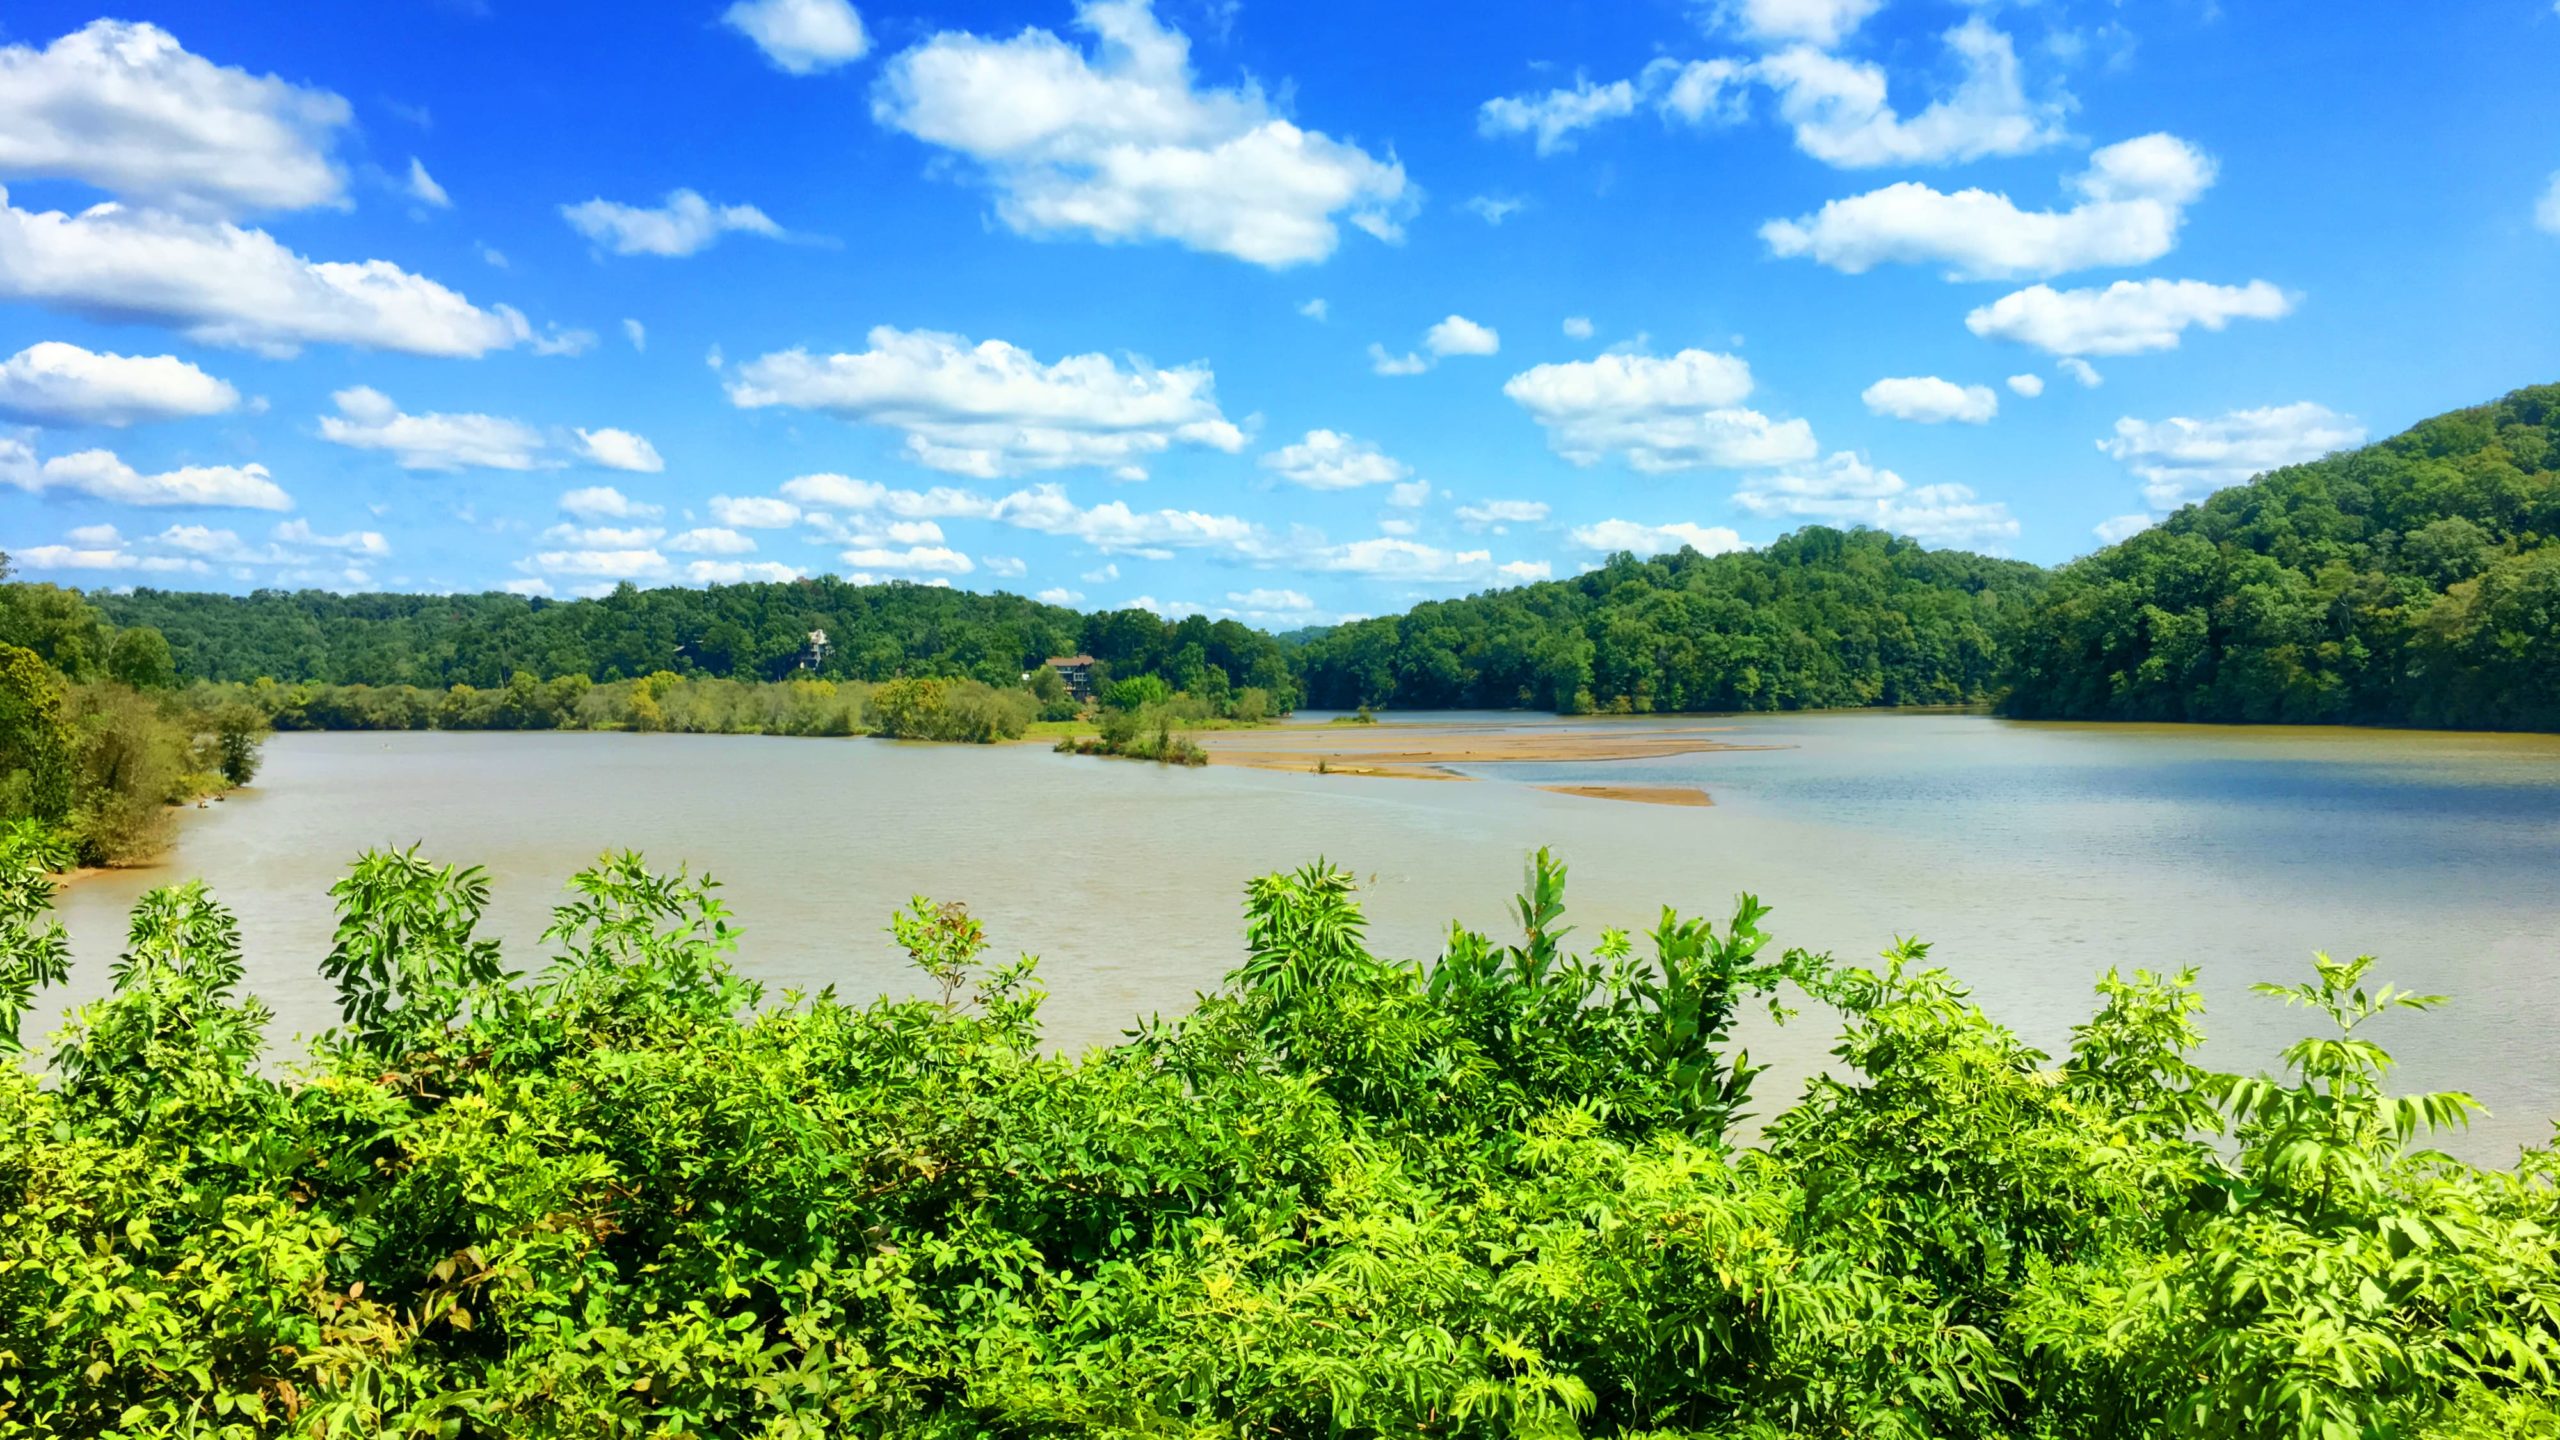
{"type": "Point", "coordinates": [1637, 794]}
{"type": "Point", "coordinates": [1431, 752]}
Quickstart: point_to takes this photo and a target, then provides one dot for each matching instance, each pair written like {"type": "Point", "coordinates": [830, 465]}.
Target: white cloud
{"type": "Point", "coordinates": [619, 450]}
{"type": "Point", "coordinates": [226, 285]}
{"type": "Point", "coordinates": [603, 502]}
{"type": "Point", "coordinates": [1931, 401]}
{"type": "Point", "coordinates": [495, 259]}
{"type": "Point", "coordinates": [88, 557]}
{"type": "Point", "coordinates": [368, 420]}
{"type": "Point", "coordinates": [1697, 92]}
{"type": "Point", "coordinates": [994, 409]}
{"type": "Point", "coordinates": [2126, 318]}
{"type": "Point", "coordinates": [1610, 536]}
{"type": "Point", "coordinates": [1271, 601]}
{"type": "Point", "coordinates": [754, 512]}
{"type": "Point", "coordinates": [1010, 566]}
{"type": "Point", "coordinates": [2180, 460]}
{"type": "Point", "coordinates": [637, 334]}
{"type": "Point", "coordinates": [360, 542]}
{"type": "Point", "coordinates": [94, 535]}
{"type": "Point", "coordinates": [712, 541]}
{"type": "Point", "coordinates": [2081, 371]}
{"type": "Point", "coordinates": [1554, 116]}
{"type": "Point", "coordinates": [1398, 525]}
{"type": "Point", "coordinates": [1813, 22]}
{"type": "Point", "coordinates": [125, 108]}
{"type": "Point", "coordinates": [1494, 209]}
{"type": "Point", "coordinates": [1577, 327]}
{"type": "Point", "coordinates": [1496, 514]}
{"type": "Point", "coordinates": [801, 37]}
{"type": "Point", "coordinates": [2547, 212]}
{"type": "Point", "coordinates": [1313, 309]}
{"type": "Point", "coordinates": [741, 572]}
{"type": "Point", "coordinates": [1842, 115]}
{"type": "Point", "coordinates": [2120, 527]}
{"type": "Point", "coordinates": [1382, 362]}
{"type": "Point", "coordinates": [1459, 335]}
{"type": "Point", "coordinates": [632, 564]}
{"type": "Point", "coordinates": [2133, 197]}
{"type": "Point", "coordinates": [534, 585]}
{"type": "Point", "coordinates": [100, 475]}
{"type": "Point", "coordinates": [605, 537]}
{"type": "Point", "coordinates": [1165, 609]}
{"type": "Point", "coordinates": [1410, 495]}
{"type": "Point", "coordinates": [2029, 386]}
{"type": "Point", "coordinates": [1329, 460]}
{"type": "Point", "coordinates": [686, 224]}
{"type": "Point", "coordinates": [1059, 595]}
{"type": "Point", "coordinates": [1103, 576]}
{"type": "Point", "coordinates": [1846, 490]}
{"type": "Point", "coordinates": [1658, 414]}
{"type": "Point", "coordinates": [1414, 563]}
{"type": "Point", "coordinates": [915, 559]}
{"type": "Point", "coordinates": [842, 492]}
{"type": "Point", "coordinates": [422, 187]}
{"type": "Point", "coordinates": [54, 383]}
{"type": "Point", "coordinates": [1120, 144]}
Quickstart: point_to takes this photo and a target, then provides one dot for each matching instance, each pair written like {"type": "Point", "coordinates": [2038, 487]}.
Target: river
{"type": "Point", "coordinates": [2032, 857]}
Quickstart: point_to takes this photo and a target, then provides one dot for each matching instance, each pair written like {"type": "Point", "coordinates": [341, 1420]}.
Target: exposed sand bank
{"type": "Point", "coordinates": [1430, 752]}
{"type": "Point", "coordinates": [1637, 794]}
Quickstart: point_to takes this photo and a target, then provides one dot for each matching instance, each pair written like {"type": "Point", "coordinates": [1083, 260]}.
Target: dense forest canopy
{"type": "Point", "coordinates": [1819, 618]}
{"type": "Point", "coordinates": [748, 632]}
{"type": "Point", "coordinates": [2412, 582]}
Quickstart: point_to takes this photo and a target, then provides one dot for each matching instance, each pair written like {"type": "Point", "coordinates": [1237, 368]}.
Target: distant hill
{"type": "Point", "coordinates": [1819, 618]}
{"type": "Point", "coordinates": [2413, 582]}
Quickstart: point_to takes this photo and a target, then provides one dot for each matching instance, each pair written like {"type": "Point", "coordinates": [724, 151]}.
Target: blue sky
{"type": "Point", "coordinates": [1287, 312]}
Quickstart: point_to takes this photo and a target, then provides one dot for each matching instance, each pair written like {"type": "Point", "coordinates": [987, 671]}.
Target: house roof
{"type": "Point", "coordinates": [1065, 660]}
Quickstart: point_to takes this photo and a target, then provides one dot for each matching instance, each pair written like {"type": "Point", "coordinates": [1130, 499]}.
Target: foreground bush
{"type": "Point", "coordinates": [624, 1194]}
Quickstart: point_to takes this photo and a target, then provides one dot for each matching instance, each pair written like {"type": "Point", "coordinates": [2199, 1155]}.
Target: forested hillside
{"type": "Point", "coordinates": [2413, 582]}
{"type": "Point", "coordinates": [759, 632]}
{"type": "Point", "coordinates": [1820, 618]}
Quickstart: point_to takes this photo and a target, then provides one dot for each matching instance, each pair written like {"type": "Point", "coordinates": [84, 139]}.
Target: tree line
{"type": "Point", "coordinates": [617, 1189]}
{"type": "Point", "coordinates": [2413, 582]}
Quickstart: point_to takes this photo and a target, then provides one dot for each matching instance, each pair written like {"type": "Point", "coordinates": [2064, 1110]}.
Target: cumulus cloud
{"type": "Point", "coordinates": [1659, 414]}
{"type": "Point", "coordinates": [226, 285]}
{"type": "Point", "coordinates": [1577, 327]}
{"type": "Point", "coordinates": [422, 187]}
{"type": "Point", "coordinates": [2129, 317]}
{"type": "Point", "coordinates": [712, 541]}
{"type": "Point", "coordinates": [1383, 361]}
{"type": "Point", "coordinates": [2120, 527]}
{"type": "Point", "coordinates": [1812, 22]}
{"type": "Point", "coordinates": [603, 502]}
{"type": "Point", "coordinates": [1122, 145]}
{"type": "Point", "coordinates": [1414, 563]}
{"type": "Point", "coordinates": [1313, 309]}
{"type": "Point", "coordinates": [359, 542]}
{"type": "Point", "coordinates": [1931, 401]}
{"type": "Point", "coordinates": [2029, 386]}
{"type": "Point", "coordinates": [993, 409]}
{"type": "Point", "coordinates": [1494, 209]}
{"type": "Point", "coordinates": [741, 572]}
{"type": "Point", "coordinates": [2080, 370]}
{"type": "Point", "coordinates": [125, 108]}
{"type": "Point", "coordinates": [1842, 116]}
{"type": "Point", "coordinates": [2132, 199]}
{"type": "Point", "coordinates": [754, 512]}
{"type": "Point", "coordinates": [2546, 214]}
{"type": "Point", "coordinates": [1330, 460]}
{"type": "Point", "coordinates": [1059, 595]}
{"type": "Point", "coordinates": [619, 450]}
{"type": "Point", "coordinates": [104, 557]}
{"type": "Point", "coordinates": [1611, 536]}
{"type": "Point", "coordinates": [684, 224]}
{"type": "Point", "coordinates": [913, 560]}
{"type": "Point", "coordinates": [100, 475]}
{"type": "Point", "coordinates": [801, 37]}
{"type": "Point", "coordinates": [1410, 495]}
{"type": "Point", "coordinates": [1697, 92]}
{"type": "Point", "coordinates": [2180, 460]}
{"type": "Point", "coordinates": [59, 384]}
{"type": "Point", "coordinates": [367, 419]}
{"type": "Point", "coordinates": [637, 334]}
{"type": "Point", "coordinates": [1846, 490]}
{"type": "Point", "coordinates": [1494, 515]}
{"type": "Point", "coordinates": [1459, 335]}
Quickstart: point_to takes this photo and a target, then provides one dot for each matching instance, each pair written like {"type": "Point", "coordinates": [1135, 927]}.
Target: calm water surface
{"type": "Point", "coordinates": [2032, 857]}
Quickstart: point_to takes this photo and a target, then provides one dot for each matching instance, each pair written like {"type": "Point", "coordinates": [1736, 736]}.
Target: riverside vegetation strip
{"type": "Point", "coordinates": [1500, 1194]}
